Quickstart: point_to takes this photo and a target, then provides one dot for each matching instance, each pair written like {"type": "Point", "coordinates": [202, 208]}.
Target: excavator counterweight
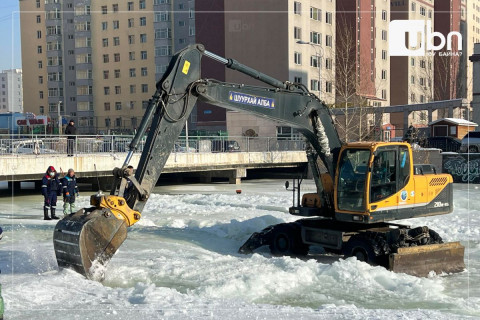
{"type": "Point", "coordinates": [361, 187]}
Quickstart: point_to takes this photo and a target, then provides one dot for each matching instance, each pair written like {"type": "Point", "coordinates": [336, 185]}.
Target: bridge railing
{"type": "Point", "coordinates": [83, 144]}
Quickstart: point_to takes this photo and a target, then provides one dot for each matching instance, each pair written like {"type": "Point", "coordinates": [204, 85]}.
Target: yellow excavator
{"type": "Point", "coordinates": [361, 187]}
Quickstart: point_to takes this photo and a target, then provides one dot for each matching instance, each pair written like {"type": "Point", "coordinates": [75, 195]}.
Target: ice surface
{"type": "Point", "coordinates": [180, 261]}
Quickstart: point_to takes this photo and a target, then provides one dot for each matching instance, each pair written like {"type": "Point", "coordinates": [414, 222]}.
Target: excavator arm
{"type": "Point", "coordinates": [87, 239]}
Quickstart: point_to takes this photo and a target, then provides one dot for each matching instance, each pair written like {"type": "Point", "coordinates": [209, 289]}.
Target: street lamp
{"type": "Point", "coordinates": [319, 62]}
{"type": "Point", "coordinates": [59, 119]}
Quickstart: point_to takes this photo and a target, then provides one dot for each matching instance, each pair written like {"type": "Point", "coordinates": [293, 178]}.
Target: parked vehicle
{"type": "Point", "coordinates": [225, 146]}
{"type": "Point", "coordinates": [179, 148]}
{"type": "Point", "coordinates": [446, 144]}
{"type": "Point", "coordinates": [471, 142]}
{"type": "Point", "coordinates": [34, 146]}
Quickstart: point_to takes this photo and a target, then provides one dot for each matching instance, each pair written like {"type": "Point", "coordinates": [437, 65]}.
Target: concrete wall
{"type": "Point", "coordinates": [31, 167]}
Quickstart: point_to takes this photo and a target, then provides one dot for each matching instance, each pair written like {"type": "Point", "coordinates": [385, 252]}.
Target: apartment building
{"type": "Point", "coordinates": [11, 91]}
{"type": "Point", "coordinates": [412, 77]}
{"type": "Point", "coordinates": [289, 40]}
{"type": "Point", "coordinates": [99, 60]}
{"type": "Point", "coordinates": [470, 11]}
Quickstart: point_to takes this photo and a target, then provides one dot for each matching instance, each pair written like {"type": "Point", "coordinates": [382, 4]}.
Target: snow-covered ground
{"type": "Point", "coordinates": [180, 261]}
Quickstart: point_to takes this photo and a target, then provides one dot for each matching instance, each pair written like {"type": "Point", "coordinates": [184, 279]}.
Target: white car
{"type": "Point", "coordinates": [30, 147]}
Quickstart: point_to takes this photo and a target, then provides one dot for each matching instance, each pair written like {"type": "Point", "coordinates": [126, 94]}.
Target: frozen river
{"type": "Point", "coordinates": [180, 261]}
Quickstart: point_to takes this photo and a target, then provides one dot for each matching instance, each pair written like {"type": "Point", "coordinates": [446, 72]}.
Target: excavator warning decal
{"type": "Point", "coordinates": [186, 67]}
{"type": "Point", "coordinates": [251, 100]}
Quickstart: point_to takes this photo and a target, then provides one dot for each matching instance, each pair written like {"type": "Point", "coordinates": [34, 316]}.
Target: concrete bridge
{"type": "Point", "coordinates": [231, 165]}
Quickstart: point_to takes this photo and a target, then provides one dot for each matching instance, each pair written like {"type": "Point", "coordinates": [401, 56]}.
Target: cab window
{"type": "Point", "coordinates": [383, 179]}
{"type": "Point", "coordinates": [352, 176]}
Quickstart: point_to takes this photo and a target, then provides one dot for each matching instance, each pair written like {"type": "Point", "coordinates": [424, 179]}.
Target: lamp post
{"type": "Point", "coordinates": [319, 62]}
{"type": "Point", "coordinates": [59, 118]}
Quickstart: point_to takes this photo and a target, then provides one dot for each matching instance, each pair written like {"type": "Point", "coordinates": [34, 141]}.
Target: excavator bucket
{"type": "Point", "coordinates": [421, 260]}
{"type": "Point", "coordinates": [86, 240]}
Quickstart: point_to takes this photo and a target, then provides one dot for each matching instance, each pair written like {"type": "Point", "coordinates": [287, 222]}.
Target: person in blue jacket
{"type": "Point", "coordinates": [70, 190]}
{"type": "Point", "coordinates": [51, 187]}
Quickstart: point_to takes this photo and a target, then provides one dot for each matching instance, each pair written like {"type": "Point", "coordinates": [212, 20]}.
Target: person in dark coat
{"type": "Point", "coordinates": [129, 187]}
{"type": "Point", "coordinates": [71, 132]}
{"type": "Point", "coordinates": [70, 191]}
{"type": "Point", "coordinates": [51, 187]}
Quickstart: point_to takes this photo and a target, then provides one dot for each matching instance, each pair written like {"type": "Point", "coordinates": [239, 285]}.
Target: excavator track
{"type": "Point", "coordinates": [86, 240]}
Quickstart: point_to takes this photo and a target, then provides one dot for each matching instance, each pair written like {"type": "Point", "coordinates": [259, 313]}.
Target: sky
{"type": "Point", "coordinates": [10, 54]}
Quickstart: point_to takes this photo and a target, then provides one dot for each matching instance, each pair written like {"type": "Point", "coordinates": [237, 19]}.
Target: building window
{"type": "Point", "coordinates": [144, 104]}
{"type": "Point", "coordinates": [297, 80]}
{"type": "Point", "coordinates": [191, 13]}
{"type": "Point", "coordinates": [132, 105]}
{"type": "Point", "coordinates": [384, 35]}
{"type": "Point", "coordinates": [132, 72]}
{"type": "Point", "coordinates": [106, 91]}
{"type": "Point", "coordinates": [40, 79]}
{"type": "Point", "coordinates": [328, 41]}
{"type": "Point", "coordinates": [39, 34]}
{"type": "Point", "coordinates": [412, 62]}
{"type": "Point", "coordinates": [315, 14]}
{"type": "Point", "coordinates": [118, 106]}
{"type": "Point", "coordinates": [422, 97]}
{"type": "Point", "coordinates": [132, 88]}
{"type": "Point", "coordinates": [116, 24]}
{"type": "Point", "coordinates": [116, 41]}
{"type": "Point", "coordinates": [131, 39]}
{"type": "Point", "coordinates": [104, 25]}
{"type": "Point", "coordinates": [384, 54]}
{"type": "Point", "coordinates": [328, 18]}
{"type": "Point", "coordinates": [40, 64]}
{"type": "Point", "coordinates": [384, 94]}
{"type": "Point", "coordinates": [107, 122]}
{"type": "Point", "coordinates": [191, 30]}
{"type": "Point", "coordinates": [430, 14]}
{"type": "Point", "coordinates": [143, 55]}
{"type": "Point", "coordinates": [38, 3]}
{"type": "Point", "coordinates": [412, 97]}
{"type": "Point", "coordinates": [143, 38]}
{"type": "Point", "coordinates": [297, 7]}
{"type": "Point", "coordinates": [104, 9]}
{"type": "Point", "coordinates": [328, 87]}
{"type": "Point", "coordinates": [130, 6]}
{"type": "Point", "coordinates": [298, 58]}
{"type": "Point", "coordinates": [412, 79]}
{"type": "Point", "coordinates": [314, 61]}
{"type": "Point", "coordinates": [384, 74]}
{"type": "Point", "coordinates": [105, 74]}
{"type": "Point", "coordinates": [422, 64]}
{"type": "Point", "coordinates": [116, 57]}
{"type": "Point", "coordinates": [115, 7]}
{"type": "Point", "coordinates": [141, 4]}
{"type": "Point", "coordinates": [39, 49]}
{"type": "Point", "coordinates": [328, 63]}
{"type": "Point", "coordinates": [105, 42]}
{"type": "Point", "coordinates": [144, 88]}
{"type": "Point", "coordinates": [143, 21]}
{"type": "Point", "coordinates": [131, 23]}
{"type": "Point", "coordinates": [314, 86]}
{"type": "Point", "coordinates": [315, 37]}
{"type": "Point", "coordinates": [118, 122]}
{"type": "Point", "coordinates": [40, 94]}
{"type": "Point", "coordinates": [422, 11]}
{"type": "Point", "coordinates": [297, 33]}
{"type": "Point", "coordinates": [414, 6]}
{"type": "Point", "coordinates": [384, 15]}
{"type": "Point", "coordinates": [144, 72]}
{"type": "Point", "coordinates": [422, 81]}
{"type": "Point", "coordinates": [181, 23]}
{"type": "Point", "coordinates": [42, 109]}
{"type": "Point", "coordinates": [117, 73]}
{"type": "Point", "coordinates": [165, 33]}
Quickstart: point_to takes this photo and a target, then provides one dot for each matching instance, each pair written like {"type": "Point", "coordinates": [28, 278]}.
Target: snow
{"type": "Point", "coordinates": [180, 261]}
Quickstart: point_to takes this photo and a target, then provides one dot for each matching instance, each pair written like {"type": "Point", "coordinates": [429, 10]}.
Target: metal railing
{"type": "Point", "coordinates": [84, 144]}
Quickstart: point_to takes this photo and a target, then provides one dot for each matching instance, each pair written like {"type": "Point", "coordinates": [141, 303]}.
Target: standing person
{"type": "Point", "coordinates": [70, 190]}
{"type": "Point", "coordinates": [71, 131]}
{"type": "Point", "coordinates": [51, 187]}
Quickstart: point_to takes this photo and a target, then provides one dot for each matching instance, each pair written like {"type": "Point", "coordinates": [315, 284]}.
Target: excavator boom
{"type": "Point", "coordinates": [88, 239]}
